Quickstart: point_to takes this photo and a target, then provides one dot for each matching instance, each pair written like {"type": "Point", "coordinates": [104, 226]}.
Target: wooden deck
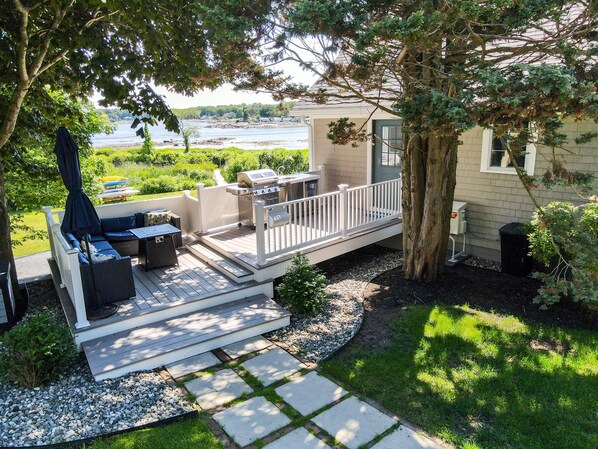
{"type": "Point", "coordinates": [240, 242]}
{"type": "Point", "coordinates": [183, 336]}
{"type": "Point", "coordinates": [190, 280]}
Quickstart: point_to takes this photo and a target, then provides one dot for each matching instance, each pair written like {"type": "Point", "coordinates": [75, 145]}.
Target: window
{"type": "Point", "coordinates": [495, 158]}
{"type": "Point", "coordinates": [392, 144]}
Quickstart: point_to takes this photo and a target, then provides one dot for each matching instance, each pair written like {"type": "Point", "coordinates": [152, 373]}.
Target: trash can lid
{"type": "Point", "coordinates": [512, 229]}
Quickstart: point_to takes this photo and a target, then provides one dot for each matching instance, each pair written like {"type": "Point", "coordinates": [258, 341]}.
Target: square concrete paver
{"type": "Point", "coordinates": [251, 420]}
{"type": "Point", "coordinates": [217, 389]}
{"type": "Point", "coordinates": [298, 439]}
{"type": "Point", "coordinates": [272, 366]}
{"type": "Point", "coordinates": [248, 346]}
{"type": "Point", "coordinates": [404, 438]}
{"type": "Point", "coordinates": [309, 393]}
{"type": "Point", "coordinates": [192, 364]}
{"type": "Point", "coordinates": [354, 422]}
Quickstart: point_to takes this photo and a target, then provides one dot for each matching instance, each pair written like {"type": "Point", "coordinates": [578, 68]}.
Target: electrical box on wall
{"type": "Point", "coordinates": [458, 222]}
{"type": "Point", "coordinates": [7, 297]}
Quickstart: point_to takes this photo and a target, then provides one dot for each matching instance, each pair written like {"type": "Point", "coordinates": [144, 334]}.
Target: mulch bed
{"type": "Point", "coordinates": [487, 290]}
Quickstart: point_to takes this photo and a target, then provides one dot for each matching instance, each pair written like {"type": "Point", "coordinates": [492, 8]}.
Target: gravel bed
{"type": "Point", "coordinates": [317, 338]}
{"type": "Point", "coordinates": [76, 406]}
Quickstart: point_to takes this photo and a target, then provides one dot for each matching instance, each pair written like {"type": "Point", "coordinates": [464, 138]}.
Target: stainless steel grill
{"type": "Point", "coordinates": [255, 185]}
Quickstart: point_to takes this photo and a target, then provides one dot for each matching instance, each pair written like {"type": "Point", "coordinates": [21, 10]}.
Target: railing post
{"type": "Point", "coordinates": [78, 295]}
{"type": "Point", "coordinates": [186, 223]}
{"type": "Point", "coordinates": [200, 197]}
{"type": "Point", "coordinates": [344, 208]}
{"type": "Point", "coordinates": [48, 213]}
{"type": "Point", "coordinates": [260, 233]}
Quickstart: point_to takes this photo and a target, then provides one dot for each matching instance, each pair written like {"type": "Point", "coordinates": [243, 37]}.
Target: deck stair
{"type": "Point", "coordinates": [173, 339]}
{"type": "Point", "coordinates": [220, 262]}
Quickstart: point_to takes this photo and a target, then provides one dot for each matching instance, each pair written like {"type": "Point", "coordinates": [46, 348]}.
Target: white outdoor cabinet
{"type": "Point", "coordinates": [458, 222]}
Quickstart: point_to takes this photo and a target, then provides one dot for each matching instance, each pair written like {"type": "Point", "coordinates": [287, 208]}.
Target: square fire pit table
{"type": "Point", "coordinates": [156, 245]}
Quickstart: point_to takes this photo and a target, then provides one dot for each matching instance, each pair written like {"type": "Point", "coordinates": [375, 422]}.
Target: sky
{"type": "Point", "coordinates": [225, 94]}
{"type": "Point", "coordinates": [221, 96]}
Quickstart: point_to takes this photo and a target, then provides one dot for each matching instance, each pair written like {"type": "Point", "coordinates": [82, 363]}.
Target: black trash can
{"type": "Point", "coordinates": [514, 250]}
{"type": "Point", "coordinates": [7, 298]}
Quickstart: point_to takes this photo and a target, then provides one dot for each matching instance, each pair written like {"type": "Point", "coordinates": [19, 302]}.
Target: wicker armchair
{"type": "Point", "coordinates": [114, 280]}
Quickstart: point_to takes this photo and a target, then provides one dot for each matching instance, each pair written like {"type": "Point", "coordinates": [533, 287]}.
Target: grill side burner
{"type": "Point", "coordinates": [255, 185]}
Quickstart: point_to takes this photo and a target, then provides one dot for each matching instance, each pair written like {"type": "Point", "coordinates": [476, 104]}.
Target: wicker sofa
{"type": "Point", "coordinates": [113, 275]}
{"type": "Point", "coordinates": [116, 231]}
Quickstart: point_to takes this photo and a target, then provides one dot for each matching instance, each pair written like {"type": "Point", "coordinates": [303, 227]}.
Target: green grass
{"type": "Point", "coordinates": [480, 380]}
{"type": "Point", "coordinates": [37, 221]}
{"type": "Point", "coordinates": [189, 434]}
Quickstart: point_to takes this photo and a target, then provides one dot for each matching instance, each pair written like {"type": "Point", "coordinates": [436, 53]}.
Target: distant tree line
{"type": "Point", "coordinates": [231, 111]}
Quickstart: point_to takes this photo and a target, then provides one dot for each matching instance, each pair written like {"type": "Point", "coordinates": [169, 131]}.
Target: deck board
{"type": "Point", "coordinates": [113, 351]}
{"type": "Point", "coordinates": [190, 280]}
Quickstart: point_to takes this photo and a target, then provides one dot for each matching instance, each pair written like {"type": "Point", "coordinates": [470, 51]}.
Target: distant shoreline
{"type": "Point", "coordinates": [227, 124]}
{"type": "Point", "coordinates": [212, 134]}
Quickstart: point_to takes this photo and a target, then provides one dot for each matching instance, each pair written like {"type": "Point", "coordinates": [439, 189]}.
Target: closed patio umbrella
{"type": "Point", "coordinates": [80, 217]}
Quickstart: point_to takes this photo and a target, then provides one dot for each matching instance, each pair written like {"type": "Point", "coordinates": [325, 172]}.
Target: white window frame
{"type": "Point", "coordinates": [530, 156]}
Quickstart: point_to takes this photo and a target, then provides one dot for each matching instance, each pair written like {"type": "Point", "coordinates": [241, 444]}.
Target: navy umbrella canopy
{"type": "Point", "coordinates": [80, 217]}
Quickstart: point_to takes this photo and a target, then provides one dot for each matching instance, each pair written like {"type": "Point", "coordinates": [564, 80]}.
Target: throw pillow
{"type": "Point", "coordinates": [98, 257]}
{"type": "Point", "coordinates": [156, 218]}
{"type": "Point", "coordinates": [92, 249]}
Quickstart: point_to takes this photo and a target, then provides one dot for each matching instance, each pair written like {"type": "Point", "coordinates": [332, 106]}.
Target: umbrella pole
{"type": "Point", "coordinates": [97, 310]}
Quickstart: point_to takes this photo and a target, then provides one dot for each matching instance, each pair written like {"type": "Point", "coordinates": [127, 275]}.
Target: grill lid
{"type": "Point", "coordinates": [252, 178]}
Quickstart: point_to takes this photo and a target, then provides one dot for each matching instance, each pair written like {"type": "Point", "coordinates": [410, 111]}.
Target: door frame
{"type": "Point", "coordinates": [371, 144]}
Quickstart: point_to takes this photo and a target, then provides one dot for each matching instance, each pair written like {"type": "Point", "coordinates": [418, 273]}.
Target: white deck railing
{"type": "Point", "coordinates": [323, 217]}
{"type": "Point", "coordinates": [67, 260]}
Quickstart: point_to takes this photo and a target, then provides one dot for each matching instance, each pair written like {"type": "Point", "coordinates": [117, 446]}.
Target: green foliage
{"type": "Point", "coordinates": [240, 162]}
{"type": "Point", "coordinates": [238, 111]}
{"type": "Point", "coordinates": [344, 132]}
{"type": "Point", "coordinates": [148, 145]}
{"type": "Point", "coordinates": [197, 172]}
{"type": "Point", "coordinates": [36, 351]}
{"type": "Point", "coordinates": [165, 183]}
{"type": "Point", "coordinates": [564, 237]}
{"type": "Point", "coordinates": [171, 170]}
{"type": "Point", "coordinates": [284, 161]}
{"type": "Point", "coordinates": [302, 287]}
{"type": "Point", "coordinates": [32, 177]}
{"type": "Point", "coordinates": [280, 160]}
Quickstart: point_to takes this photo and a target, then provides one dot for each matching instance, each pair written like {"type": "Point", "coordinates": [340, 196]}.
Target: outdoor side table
{"type": "Point", "coordinates": [156, 245]}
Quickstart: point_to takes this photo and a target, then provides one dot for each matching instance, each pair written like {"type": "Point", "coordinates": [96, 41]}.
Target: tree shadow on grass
{"type": "Point", "coordinates": [471, 376]}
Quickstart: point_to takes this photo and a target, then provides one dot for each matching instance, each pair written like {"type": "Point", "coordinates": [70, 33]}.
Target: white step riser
{"type": "Point", "coordinates": [173, 311]}
{"type": "Point", "coordinates": [183, 353]}
{"type": "Point", "coordinates": [217, 267]}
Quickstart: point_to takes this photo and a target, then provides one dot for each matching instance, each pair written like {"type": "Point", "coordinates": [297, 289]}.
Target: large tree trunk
{"type": "Point", "coordinates": [6, 254]}
{"type": "Point", "coordinates": [429, 172]}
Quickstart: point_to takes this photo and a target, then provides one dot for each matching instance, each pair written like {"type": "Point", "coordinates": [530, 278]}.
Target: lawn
{"type": "Point", "coordinates": [482, 380]}
{"type": "Point", "coordinates": [189, 434]}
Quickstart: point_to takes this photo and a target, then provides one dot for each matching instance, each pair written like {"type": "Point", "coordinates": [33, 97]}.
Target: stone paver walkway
{"type": "Point", "coordinates": [216, 389]}
{"type": "Point", "coordinates": [259, 395]}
